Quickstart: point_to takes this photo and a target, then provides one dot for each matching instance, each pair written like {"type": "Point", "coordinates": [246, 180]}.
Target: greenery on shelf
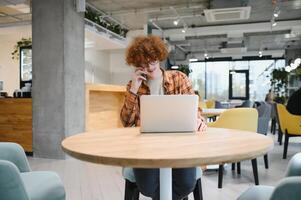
{"type": "Point", "coordinates": [97, 18]}
{"type": "Point", "coordinates": [24, 42]}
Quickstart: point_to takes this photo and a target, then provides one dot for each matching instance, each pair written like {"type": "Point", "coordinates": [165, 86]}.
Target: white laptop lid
{"type": "Point", "coordinates": [168, 113]}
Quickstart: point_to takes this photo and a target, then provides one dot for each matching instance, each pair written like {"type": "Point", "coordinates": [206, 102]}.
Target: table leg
{"type": "Point", "coordinates": [166, 183]}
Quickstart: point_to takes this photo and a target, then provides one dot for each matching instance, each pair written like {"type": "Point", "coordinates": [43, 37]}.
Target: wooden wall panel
{"type": "Point", "coordinates": [103, 105]}
{"type": "Point", "coordinates": [16, 121]}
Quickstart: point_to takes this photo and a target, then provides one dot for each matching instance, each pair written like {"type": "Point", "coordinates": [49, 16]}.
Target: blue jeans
{"type": "Point", "coordinates": [148, 182]}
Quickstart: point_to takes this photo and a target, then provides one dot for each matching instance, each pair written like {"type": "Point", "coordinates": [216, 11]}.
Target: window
{"type": "Point", "coordinates": [211, 79]}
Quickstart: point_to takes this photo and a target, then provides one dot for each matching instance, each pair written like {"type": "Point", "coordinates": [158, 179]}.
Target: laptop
{"type": "Point", "coordinates": [168, 113]}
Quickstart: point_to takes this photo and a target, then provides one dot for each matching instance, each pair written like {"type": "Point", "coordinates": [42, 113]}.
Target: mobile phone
{"type": "Point", "coordinates": [144, 75]}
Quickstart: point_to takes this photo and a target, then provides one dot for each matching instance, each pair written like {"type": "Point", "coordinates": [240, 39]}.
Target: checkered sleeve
{"type": "Point", "coordinates": [129, 109]}
{"type": "Point", "coordinates": [186, 85]}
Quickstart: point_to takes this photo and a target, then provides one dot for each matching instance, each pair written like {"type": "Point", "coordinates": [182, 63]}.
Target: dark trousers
{"type": "Point", "coordinates": [148, 182]}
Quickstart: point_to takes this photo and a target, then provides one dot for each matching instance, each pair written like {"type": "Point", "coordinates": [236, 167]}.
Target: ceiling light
{"type": "Point", "coordinates": [293, 66]}
{"type": "Point", "coordinates": [298, 61]}
{"type": "Point", "coordinates": [183, 30]}
{"type": "Point", "coordinates": [287, 68]}
{"type": "Point", "coordinates": [273, 22]}
{"type": "Point", "coordinates": [260, 55]}
{"type": "Point", "coordinates": [193, 59]}
{"type": "Point", "coordinates": [205, 54]}
{"type": "Point", "coordinates": [176, 22]}
{"type": "Point", "coordinates": [174, 67]}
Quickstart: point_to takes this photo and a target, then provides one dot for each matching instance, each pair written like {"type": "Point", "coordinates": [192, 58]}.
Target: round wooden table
{"type": "Point", "coordinates": [127, 147]}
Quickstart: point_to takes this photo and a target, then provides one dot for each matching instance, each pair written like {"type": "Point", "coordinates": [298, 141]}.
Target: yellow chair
{"type": "Point", "coordinates": [210, 103]}
{"type": "Point", "coordinates": [242, 119]}
{"type": "Point", "coordinates": [290, 125]}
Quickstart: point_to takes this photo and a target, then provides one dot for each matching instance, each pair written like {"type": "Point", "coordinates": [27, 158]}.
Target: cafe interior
{"type": "Point", "coordinates": [63, 83]}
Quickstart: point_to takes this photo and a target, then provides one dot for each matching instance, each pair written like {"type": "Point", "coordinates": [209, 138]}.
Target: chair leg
{"type": "Point", "coordinates": [285, 145]}
{"type": "Point", "coordinates": [220, 176]}
{"type": "Point", "coordinates": [131, 191]}
{"type": "Point", "coordinates": [255, 171]}
{"type": "Point", "coordinates": [197, 192]}
{"type": "Point", "coordinates": [238, 168]}
{"type": "Point", "coordinates": [280, 136]}
{"type": "Point", "coordinates": [273, 126]}
{"type": "Point", "coordinates": [266, 162]}
{"type": "Point", "coordinates": [233, 166]}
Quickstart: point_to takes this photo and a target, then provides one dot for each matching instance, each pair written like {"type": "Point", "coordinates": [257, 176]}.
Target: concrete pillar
{"type": "Point", "coordinates": [58, 75]}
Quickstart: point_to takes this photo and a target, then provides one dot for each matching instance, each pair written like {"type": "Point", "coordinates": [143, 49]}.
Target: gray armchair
{"type": "Point", "coordinates": [17, 181]}
{"type": "Point", "coordinates": [264, 116]}
{"type": "Point", "coordinates": [287, 188]}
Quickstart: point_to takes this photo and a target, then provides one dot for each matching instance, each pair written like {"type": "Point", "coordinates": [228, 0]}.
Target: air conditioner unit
{"type": "Point", "coordinates": [227, 14]}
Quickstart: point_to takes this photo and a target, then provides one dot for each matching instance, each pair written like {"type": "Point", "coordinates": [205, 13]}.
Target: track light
{"type": "Point", "coordinates": [176, 22]}
{"type": "Point", "coordinates": [184, 28]}
{"type": "Point", "coordinates": [273, 22]}
{"type": "Point", "coordinates": [276, 12]}
{"type": "Point", "coordinates": [260, 54]}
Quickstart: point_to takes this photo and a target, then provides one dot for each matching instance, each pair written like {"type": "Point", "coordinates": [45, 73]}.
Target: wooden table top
{"type": "Point", "coordinates": [212, 111]}
{"type": "Point", "coordinates": [128, 147]}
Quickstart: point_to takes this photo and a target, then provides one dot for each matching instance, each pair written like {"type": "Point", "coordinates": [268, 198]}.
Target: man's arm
{"type": "Point", "coordinates": [130, 108]}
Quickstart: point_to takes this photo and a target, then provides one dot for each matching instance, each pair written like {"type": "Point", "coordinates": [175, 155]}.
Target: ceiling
{"type": "Point", "coordinates": [237, 37]}
{"type": "Point", "coordinates": [198, 39]}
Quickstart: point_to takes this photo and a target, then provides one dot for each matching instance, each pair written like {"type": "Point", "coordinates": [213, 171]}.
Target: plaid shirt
{"type": "Point", "coordinates": [174, 82]}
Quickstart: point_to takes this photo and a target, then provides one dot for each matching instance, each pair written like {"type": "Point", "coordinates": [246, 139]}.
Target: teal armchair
{"type": "Point", "coordinates": [287, 188]}
{"type": "Point", "coordinates": [17, 181]}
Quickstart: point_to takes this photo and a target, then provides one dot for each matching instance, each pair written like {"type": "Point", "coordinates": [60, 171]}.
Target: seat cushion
{"type": "Point", "coordinates": [43, 185]}
{"type": "Point", "coordinates": [257, 192]}
{"type": "Point", "coordinates": [128, 174]}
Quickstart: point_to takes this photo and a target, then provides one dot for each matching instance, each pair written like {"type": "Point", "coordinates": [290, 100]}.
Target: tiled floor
{"type": "Point", "coordinates": [87, 181]}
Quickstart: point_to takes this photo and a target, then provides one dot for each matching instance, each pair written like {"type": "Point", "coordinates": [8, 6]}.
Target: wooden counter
{"type": "Point", "coordinates": [103, 105]}
{"type": "Point", "coordinates": [16, 121]}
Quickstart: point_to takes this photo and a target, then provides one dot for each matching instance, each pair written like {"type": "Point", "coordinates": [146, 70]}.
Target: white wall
{"type": "Point", "coordinates": [120, 71]}
{"type": "Point", "coordinates": [102, 66]}
{"type": "Point", "coordinates": [9, 68]}
{"type": "Point", "coordinates": [97, 69]}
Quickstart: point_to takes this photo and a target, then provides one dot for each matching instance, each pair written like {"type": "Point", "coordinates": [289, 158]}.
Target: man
{"type": "Point", "coordinates": [294, 103]}
{"type": "Point", "coordinates": [145, 54]}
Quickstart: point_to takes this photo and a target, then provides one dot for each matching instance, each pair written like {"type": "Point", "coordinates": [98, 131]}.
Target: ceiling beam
{"type": "Point", "coordinates": [234, 29]}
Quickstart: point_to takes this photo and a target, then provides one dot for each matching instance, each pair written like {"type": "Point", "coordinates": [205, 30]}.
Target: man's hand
{"type": "Point", "coordinates": [201, 123]}
{"type": "Point", "coordinates": [138, 76]}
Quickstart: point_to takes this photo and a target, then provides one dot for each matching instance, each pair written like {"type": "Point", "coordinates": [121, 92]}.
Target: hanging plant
{"type": "Point", "coordinates": [279, 82]}
{"type": "Point", "coordinates": [97, 18]}
{"type": "Point", "coordinates": [24, 42]}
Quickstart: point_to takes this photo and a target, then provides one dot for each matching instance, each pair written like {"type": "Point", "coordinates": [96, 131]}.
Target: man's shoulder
{"type": "Point", "coordinates": [175, 73]}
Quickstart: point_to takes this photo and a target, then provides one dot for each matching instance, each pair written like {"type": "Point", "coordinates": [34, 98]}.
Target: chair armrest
{"type": "Point", "coordinates": [11, 184]}
{"type": "Point", "coordinates": [288, 188]}
{"type": "Point", "coordinates": [14, 153]}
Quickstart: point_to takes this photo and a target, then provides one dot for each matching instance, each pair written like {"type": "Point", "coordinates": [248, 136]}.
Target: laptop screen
{"type": "Point", "coordinates": [168, 113]}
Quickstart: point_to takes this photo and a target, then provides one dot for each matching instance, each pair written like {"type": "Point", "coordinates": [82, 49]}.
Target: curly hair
{"type": "Point", "coordinates": [146, 49]}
